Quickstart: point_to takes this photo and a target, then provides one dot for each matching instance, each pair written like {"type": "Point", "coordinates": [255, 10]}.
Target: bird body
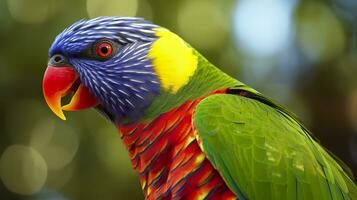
{"type": "Point", "coordinates": [192, 131]}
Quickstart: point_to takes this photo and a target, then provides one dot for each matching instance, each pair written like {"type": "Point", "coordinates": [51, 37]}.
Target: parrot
{"type": "Point", "coordinates": [191, 130]}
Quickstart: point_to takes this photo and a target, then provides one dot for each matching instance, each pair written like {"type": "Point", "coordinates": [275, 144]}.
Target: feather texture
{"type": "Point", "coordinates": [168, 159]}
{"type": "Point", "coordinates": [263, 153]}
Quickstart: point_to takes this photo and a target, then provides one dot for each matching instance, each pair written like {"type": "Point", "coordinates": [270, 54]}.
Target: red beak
{"type": "Point", "coordinates": [60, 81]}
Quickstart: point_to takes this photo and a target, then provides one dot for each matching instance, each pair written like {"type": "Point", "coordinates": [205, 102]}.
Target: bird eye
{"type": "Point", "coordinates": [104, 49]}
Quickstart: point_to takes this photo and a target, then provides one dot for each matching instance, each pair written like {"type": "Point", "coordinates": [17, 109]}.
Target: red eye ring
{"type": "Point", "coordinates": [104, 49]}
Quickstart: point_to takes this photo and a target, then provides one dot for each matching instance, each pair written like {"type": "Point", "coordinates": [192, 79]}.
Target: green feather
{"type": "Point", "coordinates": [263, 152]}
{"type": "Point", "coordinates": [207, 78]}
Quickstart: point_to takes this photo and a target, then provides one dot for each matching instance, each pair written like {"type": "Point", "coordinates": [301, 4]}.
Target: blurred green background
{"type": "Point", "coordinates": [301, 52]}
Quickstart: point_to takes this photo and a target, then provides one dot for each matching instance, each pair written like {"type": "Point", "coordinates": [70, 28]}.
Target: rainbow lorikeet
{"type": "Point", "coordinates": [192, 131]}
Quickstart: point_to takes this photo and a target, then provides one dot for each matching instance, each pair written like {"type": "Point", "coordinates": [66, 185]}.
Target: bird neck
{"type": "Point", "coordinates": [206, 79]}
{"type": "Point", "coordinates": [168, 158]}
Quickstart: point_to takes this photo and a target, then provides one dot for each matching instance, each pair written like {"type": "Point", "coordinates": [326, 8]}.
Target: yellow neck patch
{"type": "Point", "coordinates": [173, 61]}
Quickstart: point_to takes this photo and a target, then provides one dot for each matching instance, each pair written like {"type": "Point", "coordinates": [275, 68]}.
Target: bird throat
{"type": "Point", "coordinates": [167, 156]}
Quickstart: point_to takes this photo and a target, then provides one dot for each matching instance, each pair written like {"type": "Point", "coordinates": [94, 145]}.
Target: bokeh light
{"type": "Point", "coordinates": [97, 8]}
{"type": "Point", "coordinates": [202, 24]}
{"type": "Point", "coordinates": [23, 170]}
{"type": "Point", "coordinates": [263, 28]}
{"type": "Point", "coordinates": [57, 143]}
{"type": "Point", "coordinates": [31, 11]}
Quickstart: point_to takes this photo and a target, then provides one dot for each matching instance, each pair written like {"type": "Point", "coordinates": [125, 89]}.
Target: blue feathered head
{"type": "Point", "coordinates": [117, 64]}
{"type": "Point", "coordinates": [109, 54]}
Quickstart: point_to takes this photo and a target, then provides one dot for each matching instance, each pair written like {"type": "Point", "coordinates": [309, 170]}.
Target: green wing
{"type": "Point", "coordinates": [263, 153]}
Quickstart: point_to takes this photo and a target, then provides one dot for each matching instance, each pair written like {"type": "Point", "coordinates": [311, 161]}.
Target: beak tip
{"type": "Point", "coordinates": [63, 118]}
{"type": "Point", "coordinates": [60, 114]}
{"type": "Point", "coordinates": [56, 83]}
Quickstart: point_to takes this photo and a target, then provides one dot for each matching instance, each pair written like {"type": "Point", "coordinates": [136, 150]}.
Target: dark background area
{"type": "Point", "coordinates": [301, 53]}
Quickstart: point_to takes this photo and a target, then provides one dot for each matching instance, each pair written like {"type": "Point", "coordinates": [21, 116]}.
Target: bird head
{"type": "Point", "coordinates": [118, 65]}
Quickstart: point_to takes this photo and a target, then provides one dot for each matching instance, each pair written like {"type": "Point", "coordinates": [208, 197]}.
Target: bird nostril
{"type": "Point", "coordinates": [58, 58]}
